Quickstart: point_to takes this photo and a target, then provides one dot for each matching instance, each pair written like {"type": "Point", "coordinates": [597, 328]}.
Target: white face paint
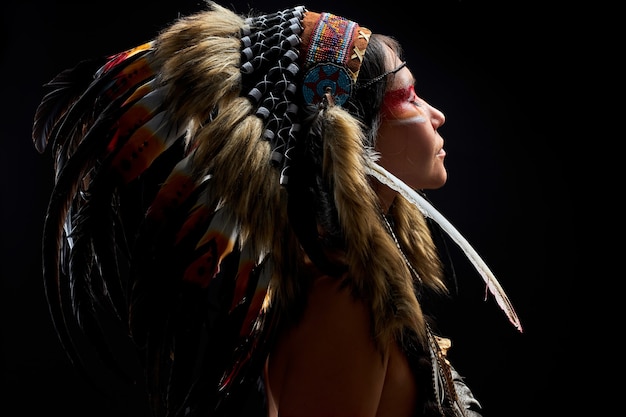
{"type": "Point", "coordinates": [408, 121]}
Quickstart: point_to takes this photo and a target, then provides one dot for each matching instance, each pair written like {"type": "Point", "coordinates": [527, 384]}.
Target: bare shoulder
{"type": "Point", "coordinates": [328, 363]}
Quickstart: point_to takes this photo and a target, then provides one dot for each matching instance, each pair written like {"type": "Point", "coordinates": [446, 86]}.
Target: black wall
{"type": "Point", "coordinates": [496, 71]}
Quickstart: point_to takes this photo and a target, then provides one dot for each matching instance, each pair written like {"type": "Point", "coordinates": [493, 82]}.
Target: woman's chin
{"type": "Point", "coordinates": [431, 183]}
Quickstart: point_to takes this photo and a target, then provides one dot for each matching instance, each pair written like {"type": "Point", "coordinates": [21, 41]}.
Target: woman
{"type": "Point", "coordinates": [328, 363]}
{"type": "Point", "coordinates": [240, 193]}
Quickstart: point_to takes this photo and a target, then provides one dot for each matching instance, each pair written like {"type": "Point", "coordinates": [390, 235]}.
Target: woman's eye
{"type": "Point", "coordinates": [413, 98]}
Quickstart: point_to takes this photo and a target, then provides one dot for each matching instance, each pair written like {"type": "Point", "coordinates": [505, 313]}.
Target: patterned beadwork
{"type": "Point", "coordinates": [331, 40]}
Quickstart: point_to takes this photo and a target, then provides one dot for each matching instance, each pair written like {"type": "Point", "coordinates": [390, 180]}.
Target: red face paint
{"type": "Point", "coordinates": [396, 101]}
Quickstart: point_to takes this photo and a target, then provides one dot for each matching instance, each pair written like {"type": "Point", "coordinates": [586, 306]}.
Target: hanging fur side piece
{"type": "Point", "coordinates": [428, 210]}
{"type": "Point", "coordinates": [414, 236]}
{"type": "Point", "coordinates": [390, 283]}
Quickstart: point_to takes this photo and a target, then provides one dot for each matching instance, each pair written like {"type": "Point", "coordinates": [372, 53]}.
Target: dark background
{"type": "Point", "coordinates": [500, 72]}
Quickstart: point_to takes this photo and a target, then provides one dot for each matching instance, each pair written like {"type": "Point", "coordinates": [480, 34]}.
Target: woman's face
{"type": "Point", "coordinates": [408, 142]}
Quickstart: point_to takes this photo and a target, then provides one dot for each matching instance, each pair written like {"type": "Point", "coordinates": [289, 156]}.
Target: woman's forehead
{"type": "Point", "coordinates": [402, 79]}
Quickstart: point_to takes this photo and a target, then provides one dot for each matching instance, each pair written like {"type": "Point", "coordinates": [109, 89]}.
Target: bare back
{"type": "Point", "coordinates": [328, 365]}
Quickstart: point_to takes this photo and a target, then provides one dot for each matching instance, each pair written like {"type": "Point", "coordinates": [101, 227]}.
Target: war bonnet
{"type": "Point", "coordinates": [173, 165]}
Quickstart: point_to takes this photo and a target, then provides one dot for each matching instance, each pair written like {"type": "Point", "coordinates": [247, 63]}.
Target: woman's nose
{"type": "Point", "coordinates": [437, 118]}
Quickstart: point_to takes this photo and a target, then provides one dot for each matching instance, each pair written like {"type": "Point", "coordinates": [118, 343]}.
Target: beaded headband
{"type": "Point", "coordinates": [333, 49]}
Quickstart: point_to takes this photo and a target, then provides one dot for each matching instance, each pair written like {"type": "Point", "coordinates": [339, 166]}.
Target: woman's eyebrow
{"type": "Point", "coordinates": [411, 80]}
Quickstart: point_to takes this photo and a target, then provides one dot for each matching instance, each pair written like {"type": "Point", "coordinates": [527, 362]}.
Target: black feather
{"type": "Point", "coordinates": [67, 199]}
{"type": "Point", "coordinates": [87, 107]}
{"type": "Point", "coordinates": [60, 93]}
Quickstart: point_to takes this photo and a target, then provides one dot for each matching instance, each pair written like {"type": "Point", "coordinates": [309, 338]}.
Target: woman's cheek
{"type": "Point", "coordinates": [391, 140]}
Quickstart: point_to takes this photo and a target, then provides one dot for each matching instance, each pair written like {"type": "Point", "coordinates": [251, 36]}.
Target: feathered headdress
{"type": "Point", "coordinates": [170, 210]}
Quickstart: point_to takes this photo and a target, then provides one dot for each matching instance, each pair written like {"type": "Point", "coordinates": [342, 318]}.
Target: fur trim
{"type": "Point", "coordinates": [200, 57]}
{"type": "Point", "coordinates": [377, 267]}
{"type": "Point", "coordinates": [417, 243]}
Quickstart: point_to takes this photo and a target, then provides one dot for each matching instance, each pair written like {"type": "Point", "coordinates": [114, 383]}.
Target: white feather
{"type": "Point", "coordinates": [428, 210]}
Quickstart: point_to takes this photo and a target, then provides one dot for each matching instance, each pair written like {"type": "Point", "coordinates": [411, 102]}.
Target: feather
{"type": "Point", "coordinates": [251, 286]}
{"type": "Point", "coordinates": [249, 313]}
{"type": "Point", "coordinates": [69, 86]}
{"type": "Point", "coordinates": [96, 241]}
{"type": "Point", "coordinates": [106, 88]}
{"type": "Point", "coordinates": [145, 144]}
{"type": "Point", "coordinates": [65, 198]}
{"type": "Point", "coordinates": [63, 90]}
{"type": "Point", "coordinates": [175, 190]}
{"type": "Point", "coordinates": [71, 215]}
{"type": "Point", "coordinates": [142, 104]}
{"type": "Point", "coordinates": [242, 281]}
{"type": "Point", "coordinates": [429, 211]}
{"type": "Point", "coordinates": [218, 241]}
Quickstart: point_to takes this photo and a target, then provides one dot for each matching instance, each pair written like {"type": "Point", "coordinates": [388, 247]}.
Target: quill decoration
{"type": "Point", "coordinates": [430, 211]}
